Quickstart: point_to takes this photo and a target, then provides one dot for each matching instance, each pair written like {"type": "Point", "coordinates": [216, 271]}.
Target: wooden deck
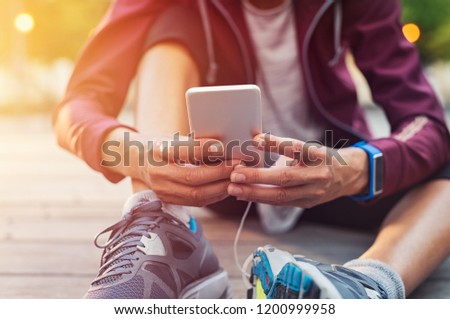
{"type": "Point", "coordinates": [52, 205]}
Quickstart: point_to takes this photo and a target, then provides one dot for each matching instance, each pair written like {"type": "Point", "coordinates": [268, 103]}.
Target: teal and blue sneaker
{"type": "Point", "coordinates": [276, 274]}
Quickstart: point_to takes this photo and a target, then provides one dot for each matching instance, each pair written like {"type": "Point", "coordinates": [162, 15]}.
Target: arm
{"type": "Point", "coordinates": [85, 122]}
{"type": "Point", "coordinates": [419, 142]}
{"type": "Point", "coordinates": [165, 73]}
{"type": "Point", "coordinates": [100, 81]}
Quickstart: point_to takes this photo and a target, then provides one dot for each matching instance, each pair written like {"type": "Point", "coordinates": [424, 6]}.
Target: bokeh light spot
{"type": "Point", "coordinates": [24, 22]}
{"type": "Point", "coordinates": [411, 32]}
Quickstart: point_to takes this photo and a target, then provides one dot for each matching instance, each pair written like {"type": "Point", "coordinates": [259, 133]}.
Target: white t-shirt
{"type": "Point", "coordinates": [284, 104]}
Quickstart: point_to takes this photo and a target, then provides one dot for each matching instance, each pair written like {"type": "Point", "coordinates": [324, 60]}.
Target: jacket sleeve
{"type": "Point", "coordinates": [419, 143]}
{"type": "Point", "coordinates": [100, 81]}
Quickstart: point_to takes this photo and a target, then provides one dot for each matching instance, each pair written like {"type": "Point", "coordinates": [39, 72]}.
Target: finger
{"type": "Point", "coordinates": [186, 149]}
{"type": "Point", "coordinates": [183, 201]}
{"type": "Point", "coordinates": [280, 176]}
{"type": "Point", "coordinates": [284, 161]}
{"type": "Point", "coordinates": [281, 145]}
{"type": "Point", "coordinates": [264, 193]}
{"type": "Point", "coordinates": [192, 196]}
{"type": "Point", "coordinates": [293, 148]}
{"type": "Point", "coordinates": [201, 174]}
{"type": "Point", "coordinates": [276, 195]}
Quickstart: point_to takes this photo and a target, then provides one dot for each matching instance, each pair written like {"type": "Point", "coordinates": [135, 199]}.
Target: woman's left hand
{"type": "Point", "coordinates": [314, 174]}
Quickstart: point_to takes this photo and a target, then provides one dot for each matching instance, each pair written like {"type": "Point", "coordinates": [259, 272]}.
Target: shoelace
{"type": "Point", "coordinates": [120, 250]}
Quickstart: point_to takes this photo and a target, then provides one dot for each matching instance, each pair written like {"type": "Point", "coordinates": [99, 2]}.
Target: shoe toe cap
{"type": "Point", "coordinates": [131, 289]}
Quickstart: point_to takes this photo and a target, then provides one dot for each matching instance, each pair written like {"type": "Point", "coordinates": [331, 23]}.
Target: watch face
{"type": "Point", "coordinates": [378, 167]}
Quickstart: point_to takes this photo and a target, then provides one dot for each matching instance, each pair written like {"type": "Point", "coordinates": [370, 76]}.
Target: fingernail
{"type": "Point", "coordinates": [241, 164]}
{"type": "Point", "coordinates": [237, 178]}
{"type": "Point", "coordinates": [234, 190]}
{"type": "Point", "coordinates": [214, 148]}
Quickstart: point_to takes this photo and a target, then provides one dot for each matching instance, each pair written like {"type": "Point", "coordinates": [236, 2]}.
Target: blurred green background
{"type": "Point", "coordinates": [44, 53]}
{"type": "Point", "coordinates": [433, 18]}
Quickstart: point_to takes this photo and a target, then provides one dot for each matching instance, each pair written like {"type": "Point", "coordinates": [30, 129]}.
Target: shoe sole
{"type": "Point", "coordinates": [277, 275]}
{"type": "Point", "coordinates": [214, 286]}
{"type": "Point", "coordinates": [267, 263]}
{"type": "Point", "coordinates": [302, 280]}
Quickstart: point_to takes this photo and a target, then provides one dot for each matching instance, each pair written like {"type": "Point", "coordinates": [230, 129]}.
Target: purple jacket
{"type": "Point", "coordinates": [216, 35]}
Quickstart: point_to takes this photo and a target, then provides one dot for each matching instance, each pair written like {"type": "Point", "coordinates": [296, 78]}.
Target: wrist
{"type": "Point", "coordinates": [356, 170]}
{"type": "Point", "coordinates": [376, 171]}
{"type": "Point", "coordinates": [122, 154]}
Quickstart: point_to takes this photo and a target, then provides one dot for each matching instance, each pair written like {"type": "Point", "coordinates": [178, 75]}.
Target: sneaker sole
{"type": "Point", "coordinates": [214, 286]}
{"type": "Point", "coordinates": [302, 280]}
{"type": "Point", "coordinates": [276, 274]}
{"type": "Point", "coordinates": [267, 263]}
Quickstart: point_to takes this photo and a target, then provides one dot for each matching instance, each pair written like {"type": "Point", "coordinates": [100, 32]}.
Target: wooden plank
{"type": "Point", "coordinates": [62, 208]}
{"type": "Point", "coordinates": [43, 287]}
{"type": "Point", "coordinates": [65, 258]}
{"type": "Point", "coordinates": [432, 289]}
{"type": "Point", "coordinates": [47, 192]}
{"type": "Point", "coordinates": [53, 229]}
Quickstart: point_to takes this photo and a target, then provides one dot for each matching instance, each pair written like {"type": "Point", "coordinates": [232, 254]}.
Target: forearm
{"type": "Point", "coordinates": [419, 144]}
{"type": "Point", "coordinates": [353, 175]}
{"type": "Point", "coordinates": [80, 126]}
{"type": "Point", "coordinates": [411, 154]}
{"type": "Point", "coordinates": [414, 152]}
{"type": "Point", "coordinates": [126, 152]}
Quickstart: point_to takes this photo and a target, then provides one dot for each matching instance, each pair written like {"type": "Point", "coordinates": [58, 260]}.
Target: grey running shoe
{"type": "Point", "coordinates": [276, 274]}
{"type": "Point", "coordinates": [151, 254]}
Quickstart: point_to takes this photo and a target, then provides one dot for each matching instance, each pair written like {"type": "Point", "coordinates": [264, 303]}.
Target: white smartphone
{"type": "Point", "coordinates": [231, 114]}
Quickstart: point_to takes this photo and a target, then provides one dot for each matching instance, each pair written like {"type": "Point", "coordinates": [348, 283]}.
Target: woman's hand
{"type": "Point", "coordinates": [188, 172]}
{"type": "Point", "coordinates": [198, 184]}
{"type": "Point", "coordinates": [313, 174]}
